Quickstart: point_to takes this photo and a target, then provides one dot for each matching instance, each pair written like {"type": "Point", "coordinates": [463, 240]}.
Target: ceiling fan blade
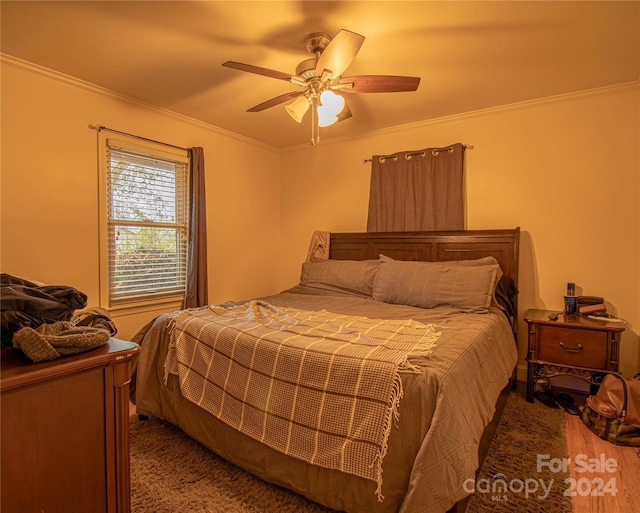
{"type": "Point", "coordinates": [258, 70]}
{"type": "Point", "coordinates": [380, 84]}
{"type": "Point", "coordinates": [276, 101]}
{"type": "Point", "coordinates": [345, 113]}
{"type": "Point", "coordinates": [339, 53]}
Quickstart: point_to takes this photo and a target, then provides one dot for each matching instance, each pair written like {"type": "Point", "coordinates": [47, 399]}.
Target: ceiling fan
{"type": "Point", "coordinates": [321, 75]}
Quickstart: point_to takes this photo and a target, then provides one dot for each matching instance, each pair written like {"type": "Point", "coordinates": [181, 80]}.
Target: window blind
{"type": "Point", "coordinates": [147, 219]}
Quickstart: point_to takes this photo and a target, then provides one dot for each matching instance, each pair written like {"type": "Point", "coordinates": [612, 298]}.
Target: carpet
{"type": "Point", "coordinates": [523, 470]}
{"type": "Point", "coordinates": [171, 473]}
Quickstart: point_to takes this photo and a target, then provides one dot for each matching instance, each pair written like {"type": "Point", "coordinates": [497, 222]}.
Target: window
{"type": "Point", "coordinates": [144, 238]}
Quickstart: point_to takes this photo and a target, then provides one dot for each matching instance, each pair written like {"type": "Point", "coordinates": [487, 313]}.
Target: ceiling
{"type": "Point", "coordinates": [469, 55]}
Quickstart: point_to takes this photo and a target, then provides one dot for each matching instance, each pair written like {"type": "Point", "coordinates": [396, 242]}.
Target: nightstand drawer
{"type": "Point", "coordinates": [573, 347]}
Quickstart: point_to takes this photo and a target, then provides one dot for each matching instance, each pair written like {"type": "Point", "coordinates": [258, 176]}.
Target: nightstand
{"type": "Point", "coordinates": [572, 342]}
{"type": "Point", "coordinates": [65, 431]}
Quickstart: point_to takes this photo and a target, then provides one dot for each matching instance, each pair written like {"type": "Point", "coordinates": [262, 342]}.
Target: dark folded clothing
{"type": "Point", "coordinates": [94, 317]}
{"type": "Point", "coordinates": [26, 304]}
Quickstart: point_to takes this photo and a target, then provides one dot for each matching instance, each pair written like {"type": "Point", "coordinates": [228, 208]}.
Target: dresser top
{"type": "Point", "coordinates": [17, 370]}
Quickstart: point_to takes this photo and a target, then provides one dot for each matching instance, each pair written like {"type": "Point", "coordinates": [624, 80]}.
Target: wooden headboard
{"type": "Point", "coordinates": [431, 246]}
{"type": "Point", "coordinates": [503, 245]}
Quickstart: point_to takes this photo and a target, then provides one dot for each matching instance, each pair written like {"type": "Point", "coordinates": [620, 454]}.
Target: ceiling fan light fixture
{"type": "Point", "coordinates": [331, 104]}
{"type": "Point", "coordinates": [332, 101]}
{"type": "Point", "coordinates": [325, 119]}
{"type": "Point", "coordinates": [298, 108]}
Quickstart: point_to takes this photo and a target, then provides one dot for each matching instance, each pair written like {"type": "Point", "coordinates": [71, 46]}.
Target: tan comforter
{"type": "Point", "coordinates": [433, 446]}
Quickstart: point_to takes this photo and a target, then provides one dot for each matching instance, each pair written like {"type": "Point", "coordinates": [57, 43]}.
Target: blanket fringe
{"type": "Point", "coordinates": [397, 393]}
{"type": "Point", "coordinates": [394, 415]}
{"type": "Point", "coordinates": [169, 361]}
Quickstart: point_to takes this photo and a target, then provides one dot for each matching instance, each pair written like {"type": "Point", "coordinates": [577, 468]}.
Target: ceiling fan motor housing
{"type": "Point", "coordinates": [317, 42]}
{"type": "Point", "coordinates": [307, 69]}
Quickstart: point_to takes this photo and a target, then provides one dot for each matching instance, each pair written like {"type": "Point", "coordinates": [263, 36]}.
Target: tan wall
{"type": "Point", "coordinates": [566, 170]}
{"type": "Point", "coordinates": [49, 189]}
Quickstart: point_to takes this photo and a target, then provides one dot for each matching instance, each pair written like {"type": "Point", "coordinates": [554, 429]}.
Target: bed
{"type": "Point", "coordinates": [367, 387]}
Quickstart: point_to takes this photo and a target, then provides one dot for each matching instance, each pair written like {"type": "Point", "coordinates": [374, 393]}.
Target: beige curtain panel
{"type": "Point", "coordinates": [419, 190]}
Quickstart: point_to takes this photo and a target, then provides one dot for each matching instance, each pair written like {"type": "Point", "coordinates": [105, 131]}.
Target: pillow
{"type": "Point", "coordinates": [478, 262]}
{"type": "Point", "coordinates": [350, 275]}
{"type": "Point", "coordinates": [468, 288]}
{"type": "Point", "coordinates": [473, 263]}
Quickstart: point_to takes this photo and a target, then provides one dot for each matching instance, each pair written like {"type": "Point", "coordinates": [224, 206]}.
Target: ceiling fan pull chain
{"type": "Point", "coordinates": [315, 129]}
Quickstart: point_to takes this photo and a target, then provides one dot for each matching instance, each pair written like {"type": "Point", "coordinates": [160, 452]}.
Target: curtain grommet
{"type": "Point", "coordinates": [408, 156]}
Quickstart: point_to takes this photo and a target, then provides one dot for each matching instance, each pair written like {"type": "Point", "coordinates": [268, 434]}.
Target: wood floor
{"type": "Point", "coordinates": [608, 490]}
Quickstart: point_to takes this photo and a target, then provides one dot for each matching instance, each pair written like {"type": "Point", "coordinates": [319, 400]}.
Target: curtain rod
{"type": "Point", "coordinates": [100, 127]}
{"type": "Point", "coordinates": [410, 154]}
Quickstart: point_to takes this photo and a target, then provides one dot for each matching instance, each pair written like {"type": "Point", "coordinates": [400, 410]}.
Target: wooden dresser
{"type": "Point", "coordinates": [570, 342]}
{"type": "Point", "coordinates": [65, 431]}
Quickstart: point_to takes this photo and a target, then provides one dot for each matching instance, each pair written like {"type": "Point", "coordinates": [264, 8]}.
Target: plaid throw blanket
{"type": "Point", "coordinates": [318, 386]}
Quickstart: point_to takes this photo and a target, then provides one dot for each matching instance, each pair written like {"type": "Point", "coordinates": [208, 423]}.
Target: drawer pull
{"type": "Point", "coordinates": [570, 350]}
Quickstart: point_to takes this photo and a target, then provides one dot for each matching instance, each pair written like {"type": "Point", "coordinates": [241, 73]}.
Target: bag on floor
{"type": "Point", "coordinates": [614, 412]}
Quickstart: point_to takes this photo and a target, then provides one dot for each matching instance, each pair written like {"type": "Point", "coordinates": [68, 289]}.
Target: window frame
{"type": "Point", "coordinates": [148, 149]}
